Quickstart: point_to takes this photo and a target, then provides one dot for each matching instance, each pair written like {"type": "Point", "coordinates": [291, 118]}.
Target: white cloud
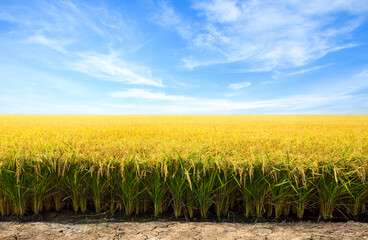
{"type": "Point", "coordinates": [64, 17]}
{"type": "Point", "coordinates": [222, 11]}
{"type": "Point", "coordinates": [191, 62]}
{"type": "Point", "coordinates": [83, 33]}
{"type": "Point", "coordinates": [339, 97]}
{"type": "Point", "coordinates": [54, 44]}
{"type": "Point", "coordinates": [302, 104]}
{"type": "Point", "coordinates": [236, 86]}
{"type": "Point", "coordinates": [146, 94]}
{"type": "Point", "coordinates": [307, 70]}
{"type": "Point", "coordinates": [265, 35]}
{"type": "Point", "coordinates": [111, 68]}
{"type": "Point", "coordinates": [299, 72]}
{"type": "Point", "coordinates": [324, 98]}
{"type": "Point", "coordinates": [286, 105]}
{"type": "Point", "coordinates": [167, 17]}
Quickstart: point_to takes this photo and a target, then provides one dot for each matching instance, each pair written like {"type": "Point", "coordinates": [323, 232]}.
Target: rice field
{"type": "Point", "coordinates": [186, 166]}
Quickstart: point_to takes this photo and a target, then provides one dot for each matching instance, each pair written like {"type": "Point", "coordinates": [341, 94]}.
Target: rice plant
{"type": "Point", "coordinates": [192, 166]}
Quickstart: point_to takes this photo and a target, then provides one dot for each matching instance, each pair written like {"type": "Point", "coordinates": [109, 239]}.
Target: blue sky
{"type": "Point", "coordinates": [184, 57]}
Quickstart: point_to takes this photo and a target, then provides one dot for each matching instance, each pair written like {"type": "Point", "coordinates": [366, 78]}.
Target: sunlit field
{"type": "Point", "coordinates": [185, 166]}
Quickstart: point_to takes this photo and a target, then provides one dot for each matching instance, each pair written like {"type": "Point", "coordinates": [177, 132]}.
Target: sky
{"type": "Point", "coordinates": [184, 57]}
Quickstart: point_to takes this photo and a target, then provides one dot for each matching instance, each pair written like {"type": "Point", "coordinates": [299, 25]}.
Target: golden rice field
{"type": "Point", "coordinates": [191, 166]}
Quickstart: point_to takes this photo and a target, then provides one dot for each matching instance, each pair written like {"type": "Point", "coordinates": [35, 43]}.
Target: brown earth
{"type": "Point", "coordinates": [182, 230]}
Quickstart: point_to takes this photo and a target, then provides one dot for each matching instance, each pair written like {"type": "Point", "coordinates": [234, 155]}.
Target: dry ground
{"type": "Point", "coordinates": [182, 230]}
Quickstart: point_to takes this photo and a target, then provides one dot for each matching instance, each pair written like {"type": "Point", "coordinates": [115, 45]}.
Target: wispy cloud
{"type": "Point", "coordinates": [64, 17]}
{"type": "Point", "coordinates": [286, 105]}
{"type": "Point", "coordinates": [52, 43]}
{"type": "Point", "coordinates": [303, 104]}
{"type": "Point", "coordinates": [192, 62]}
{"type": "Point", "coordinates": [111, 68]}
{"type": "Point", "coordinates": [88, 39]}
{"type": "Point", "coordinates": [146, 94]}
{"type": "Point", "coordinates": [306, 70]}
{"type": "Point", "coordinates": [167, 17]}
{"type": "Point", "coordinates": [222, 11]}
{"type": "Point", "coordinates": [341, 96]}
{"type": "Point", "coordinates": [236, 86]}
{"type": "Point", "coordinates": [265, 35]}
{"type": "Point", "coordinates": [327, 98]}
{"type": "Point", "coordinates": [108, 57]}
{"type": "Point", "coordinates": [279, 74]}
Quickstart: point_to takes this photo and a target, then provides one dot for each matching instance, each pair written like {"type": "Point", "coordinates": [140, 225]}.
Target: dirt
{"type": "Point", "coordinates": [182, 230]}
